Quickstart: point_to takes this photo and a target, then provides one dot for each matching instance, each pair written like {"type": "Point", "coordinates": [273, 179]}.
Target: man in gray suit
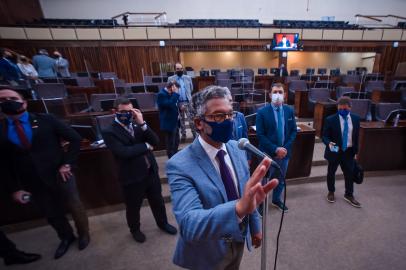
{"type": "Point", "coordinates": [62, 65]}
{"type": "Point", "coordinates": [44, 64]}
{"type": "Point", "coordinates": [185, 92]}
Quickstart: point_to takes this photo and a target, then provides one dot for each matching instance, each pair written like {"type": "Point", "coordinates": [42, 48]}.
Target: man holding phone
{"type": "Point", "coordinates": [340, 135]}
{"type": "Point", "coordinates": [36, 167]}
{"type": "Point", "coordinates": [131, 140]}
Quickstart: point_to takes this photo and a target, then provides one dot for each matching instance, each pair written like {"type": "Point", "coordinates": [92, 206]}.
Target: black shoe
{"type": "Point", "coordinates": [280, 206]}
{"type": "Point", "coordinates": [63, 247]}
{"type": "Point", "coordinates": [139, 236]}
{"type": "Point", "coordinates": [168, 228]}
{"type": "Point", "coordinates": [352, 201]}
{"type": "Point", "coordinates": [83, 241]}
{"type": "Point", "coordinates": [330, 197]}
{"type": "Point", "coordinates": [20, 257]}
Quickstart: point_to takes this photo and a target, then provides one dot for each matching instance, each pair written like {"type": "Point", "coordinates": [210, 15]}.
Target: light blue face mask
{"type": "Point", "coordinates": [221, 132]}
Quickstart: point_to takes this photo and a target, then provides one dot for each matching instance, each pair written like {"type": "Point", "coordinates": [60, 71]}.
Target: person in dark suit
{"type": "Point", "coordinates": [340, 135]}
{"type": "Point", "coordinates": [8, 69]}
{"type": "Point", "coordinates": [11, 255]}
{"type": "Point", "coordinates": [284, 43]}
{"type": "Point", "coordinates": [276, 131]}
{"type": "Point", "coordinates": [132, 141]}
{"type": "Point", "coordinates": [167, 101]}
{"type": "Point", "coordinates": [37, 166]}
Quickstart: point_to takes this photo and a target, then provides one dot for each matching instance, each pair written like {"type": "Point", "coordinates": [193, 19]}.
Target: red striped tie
{"type": "Point", "coordinates": [25, 143]}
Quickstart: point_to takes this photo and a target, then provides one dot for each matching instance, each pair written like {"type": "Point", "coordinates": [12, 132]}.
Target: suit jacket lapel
{"type": "Point", "coordinates": [207, 166]}
{"type": "Point", "coordinates": [285, 127]}
{"type": "Point", "coordinates": [122, 130]}
{"type": "Point", "coordinates": [237, 169]}
{"type": "Point", "coordinates": [272, 116]}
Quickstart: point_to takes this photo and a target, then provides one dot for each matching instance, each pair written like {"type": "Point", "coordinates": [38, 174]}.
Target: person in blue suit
{"type": "Point", "coordinates": [276, 131]}
{"type": "Point", "coordinates": [240, 129]}
{"type": "Point", "coordinates": [214, 198]}
{"type": "Point", "coordinates": [45, 65]}
{"type": "Point", "coordinates": [8, 69]}
{"type": "Point", "coordinates": [340, 135]}
{"type": "Point", "coordinates": [167, 101]}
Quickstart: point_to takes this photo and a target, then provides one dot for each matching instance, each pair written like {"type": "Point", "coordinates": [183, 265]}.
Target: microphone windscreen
{"type": "Point", "coordinates": [242, 143]}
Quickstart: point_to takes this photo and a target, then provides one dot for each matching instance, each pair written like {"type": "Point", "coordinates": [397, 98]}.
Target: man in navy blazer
{"type": "Point", "coordinates": [340, 135]}
{"type": "Point", "coordinates": [214, 199]}
{"type": "Point", "coordinates": [8, 69]}
{"type": "Point", "coordinates": [276, 131]}
{"type": "Point", "coordinates": [167, 101]}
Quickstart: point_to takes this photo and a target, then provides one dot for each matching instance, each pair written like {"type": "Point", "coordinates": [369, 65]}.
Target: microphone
{"type": "Point", "coordinates": [244, 144]}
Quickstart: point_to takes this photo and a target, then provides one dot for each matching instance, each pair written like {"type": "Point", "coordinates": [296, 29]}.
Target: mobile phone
{"type": "Point", "coordinates": [26, 197]}
{"type": "Point", "coordinates": [334, 148]}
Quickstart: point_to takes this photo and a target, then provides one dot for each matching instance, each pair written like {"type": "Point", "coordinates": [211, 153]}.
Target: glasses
{"type": "Point", "coordinates": [220, 117]}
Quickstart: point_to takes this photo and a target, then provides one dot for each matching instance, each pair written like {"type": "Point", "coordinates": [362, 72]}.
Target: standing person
{"type": "Point", "coordinates": [240, 129]}
{"type": "Point", "coordinates": [214, 199]}
{"type": "Point", "coordinates": [169, 116]}
{"type": "Point", "coordinates": [8, 68]}
{"type": "Point", "coordinates": [27, 69]}
{"type": "Point", "coordinates": [44, 64]}
{"type": "Point", "coordinates": [37, 166]}
{"type": "Point", "coordinates": [340, 135]}
{"type": "Point", "coordinates": [132, 141]}
{"type": "Point", "coordinates": [276, 131]}
{"type": "Point", "coordinates": [11, 255]}
{"type": "Point", "coordinates": [185, 92]}
{"type": "Point", "coordinates": [62, 65]}
{"type": "Point", "coordinates": [283, 71]}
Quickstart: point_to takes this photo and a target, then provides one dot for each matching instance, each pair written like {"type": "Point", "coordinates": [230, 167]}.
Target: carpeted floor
{"type": "Point", "coordinates": [316, 234]}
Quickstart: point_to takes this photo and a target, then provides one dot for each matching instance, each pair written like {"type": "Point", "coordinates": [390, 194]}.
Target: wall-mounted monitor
{"type": "Point", "coordinates": [310, 71]}
{"type": "Point", "coordinates": [262, 71]}
{"type": "Point", "coordinates": [213, 72]}
{"type": "Point", "coordinates": [274, 71]}
{"type": "Point", "coordinates": [322, 71]}
{"type": "Point", "coordinates": [285, 41]}
{"type": "Point", "coordinates": [335, 72]}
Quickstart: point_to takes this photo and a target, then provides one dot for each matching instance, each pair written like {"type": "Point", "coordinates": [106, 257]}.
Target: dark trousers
{"type": "Point", "coordinates": [53, 201]}
{"type": "Point", "coordinates": [172, 142]}
{"type": "Point", "coordinates": [6, 246]}
{"type": "Point", "coordinates": [134, 194]}
{"type": "Point", "coordinates": [70, 196]}
{"type": "Point", "coordinates": [346, 162]}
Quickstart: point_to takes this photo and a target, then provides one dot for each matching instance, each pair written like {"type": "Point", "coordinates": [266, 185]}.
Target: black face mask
{"type": "Point", "coordinates": [12, 107]}
{"type": "Point", "coordinates": [179, 73]}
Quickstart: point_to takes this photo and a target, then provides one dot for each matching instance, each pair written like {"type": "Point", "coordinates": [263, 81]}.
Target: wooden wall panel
{"type": "Point", "coordinates": [128, 58]}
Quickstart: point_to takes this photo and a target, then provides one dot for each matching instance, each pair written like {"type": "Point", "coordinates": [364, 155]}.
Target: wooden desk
{"type": "Point", "coordinates": [151, 116]}
{"type": "Point", "coordinates": [201, 82]}
{"type": "Point", "coordinates": [382, 147]}
{"type": "Point", "coordinates": [386, 96]}
{"type": "Point", "coordinates": [321, 111]}
{"type": "Point", "coordinates": [300, 163]}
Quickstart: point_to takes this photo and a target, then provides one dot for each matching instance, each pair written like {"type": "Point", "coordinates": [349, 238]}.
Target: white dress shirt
{"type": "Point", "coordinates": [212, 152]}
{"type": "Point", "coordinates": [349, 140]}
{"type": "Point", "coordinates": [28, 70]}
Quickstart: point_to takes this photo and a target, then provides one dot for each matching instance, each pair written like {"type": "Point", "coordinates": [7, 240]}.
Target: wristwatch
{"type": "Point", "coordinates": [143, 124]}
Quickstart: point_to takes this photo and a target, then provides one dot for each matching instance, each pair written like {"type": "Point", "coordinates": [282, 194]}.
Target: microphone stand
{"type": "Point", "coordinates": [264, 225]}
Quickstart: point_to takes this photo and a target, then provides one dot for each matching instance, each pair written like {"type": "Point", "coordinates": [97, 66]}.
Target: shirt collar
{"type": "Point", "coordinates": [276, 107]}
{"type": "Point", "coordinates": [24, 118]}
{"type": "Point", "coordinates": [211, 150]}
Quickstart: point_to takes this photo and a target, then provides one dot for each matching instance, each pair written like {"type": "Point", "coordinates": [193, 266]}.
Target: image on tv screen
{"type": "Point", "coordinates": [285, 42]}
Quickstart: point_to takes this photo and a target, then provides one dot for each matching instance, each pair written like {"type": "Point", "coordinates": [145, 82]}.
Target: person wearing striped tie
{"type": "Point", "coordinates": [340, 135]}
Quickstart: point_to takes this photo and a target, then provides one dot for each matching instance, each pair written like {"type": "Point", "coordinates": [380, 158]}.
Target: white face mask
{"type": "Point", "coordinates": [277, 98]}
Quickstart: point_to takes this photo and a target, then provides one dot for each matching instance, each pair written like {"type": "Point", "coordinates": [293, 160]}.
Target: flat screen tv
{"type": "Point", "coordinates": [285, 42]}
